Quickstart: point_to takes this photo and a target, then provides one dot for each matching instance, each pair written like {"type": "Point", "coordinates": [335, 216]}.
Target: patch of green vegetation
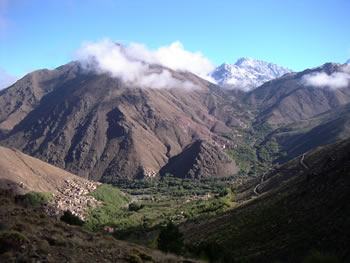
{"type": "Point", "coordinates": [158, 205]}
{"type": "Point", "coordinates": [111, 211]}
{"type": "Point", "coordinates": [36, 198]}
{"type": "Point", "coordinates": [171, 186]}
{"type": "Point", "coordinates": [244, 156]}
{"type": "Point", "coordinates": [268, 152]}
{"type": "Point", "coordinates": [110, 195]}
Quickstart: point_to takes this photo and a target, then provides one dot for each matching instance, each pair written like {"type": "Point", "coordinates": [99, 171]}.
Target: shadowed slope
{"type": "Point", "coordinates": [298, 210]}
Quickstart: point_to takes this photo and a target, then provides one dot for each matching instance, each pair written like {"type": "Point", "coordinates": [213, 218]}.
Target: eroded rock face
{"type": "Point", "coordinates": [200, 160]}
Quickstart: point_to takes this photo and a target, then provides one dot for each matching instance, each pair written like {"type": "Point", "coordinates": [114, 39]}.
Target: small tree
{"type": "Point", "coordinates": [170, 239]}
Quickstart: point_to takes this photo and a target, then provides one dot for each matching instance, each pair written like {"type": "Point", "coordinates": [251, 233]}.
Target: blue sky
{"type": "Point", "coordinates": [37, 34]}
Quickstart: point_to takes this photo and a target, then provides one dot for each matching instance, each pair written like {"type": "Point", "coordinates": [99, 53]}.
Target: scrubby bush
{"type": "Point", "coordinates": [36, 198]}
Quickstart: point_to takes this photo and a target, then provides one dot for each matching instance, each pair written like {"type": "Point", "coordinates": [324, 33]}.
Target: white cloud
{"type": "Point", "coordinates": [6, 80]}
{"type": "Point", "coordinates": [135, 63]}
{"type": "Point", "coordinates": [334, 81]}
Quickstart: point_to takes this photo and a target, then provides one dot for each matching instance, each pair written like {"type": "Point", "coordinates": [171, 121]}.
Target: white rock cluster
{"type": "Point", "coordinates": [74, 197]}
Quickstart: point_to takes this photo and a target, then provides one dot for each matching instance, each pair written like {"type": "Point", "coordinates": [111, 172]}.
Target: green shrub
{"type": "Point", "coordinates": [109, 194]}
{"type": "Point", "coordinates": [36, 198]}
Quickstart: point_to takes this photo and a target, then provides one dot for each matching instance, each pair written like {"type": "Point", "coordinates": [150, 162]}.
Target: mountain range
{"type": "Point", "coordinates": [98, 127]}
{"type": "Point", "coordinates": [282, 146]}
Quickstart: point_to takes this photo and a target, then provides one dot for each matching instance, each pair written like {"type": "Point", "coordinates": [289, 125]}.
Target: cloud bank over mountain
{"type": "Point", "coordinates": [334, 81]}
{"type": "Point", "coordinates": [136, 64]}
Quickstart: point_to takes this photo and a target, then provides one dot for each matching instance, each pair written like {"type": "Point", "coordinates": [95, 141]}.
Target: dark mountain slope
{"type": "Point", "coordinates": [100, 128]}
{"type": "Point", "coordinates": [288, 99]}
{"type": "Point", "coordinates": [302, 206]}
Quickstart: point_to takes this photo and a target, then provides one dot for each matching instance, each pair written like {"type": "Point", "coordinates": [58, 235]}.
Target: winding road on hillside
{"type": "Point", "coordinates": [302, 163]}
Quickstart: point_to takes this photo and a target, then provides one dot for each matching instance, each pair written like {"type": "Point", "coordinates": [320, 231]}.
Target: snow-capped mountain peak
{"type": "Point", "coordinates": [348, 62]}
{"type": "Point", "coordinates": [247, 73]}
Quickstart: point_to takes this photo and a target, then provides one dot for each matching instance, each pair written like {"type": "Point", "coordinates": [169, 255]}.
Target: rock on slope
{"type": "Point", "coordinates": [247, 73]}
{"type": "Point", "coordinates": [200, 160]}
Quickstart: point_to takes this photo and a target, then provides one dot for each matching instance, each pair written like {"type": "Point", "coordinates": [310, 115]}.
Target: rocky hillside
{"type": "Point", "coordinates": [200, 160]}
{"type": "Point", "coordinates": [100, 128]}
{"type": "Point", "coordinates": [293, 209]}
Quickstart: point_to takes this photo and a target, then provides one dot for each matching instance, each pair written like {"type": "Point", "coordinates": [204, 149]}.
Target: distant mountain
{"type": "Point", "coordinates": [300, 96]}
{"type": "Point", "coordinates": [348, 62]}
{"type": "Point", "coordinates": [247, 73]}
{"type": "Point", "coordinates": [296, 209]}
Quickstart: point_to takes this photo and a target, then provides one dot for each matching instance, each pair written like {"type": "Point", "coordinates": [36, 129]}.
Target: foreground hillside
{"type": "Point", "coordinates": [21, 173]}
{"type": "Point", "coordinates": [28, 235]}
{"type": "Point", "coordinates": [295, 209]}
